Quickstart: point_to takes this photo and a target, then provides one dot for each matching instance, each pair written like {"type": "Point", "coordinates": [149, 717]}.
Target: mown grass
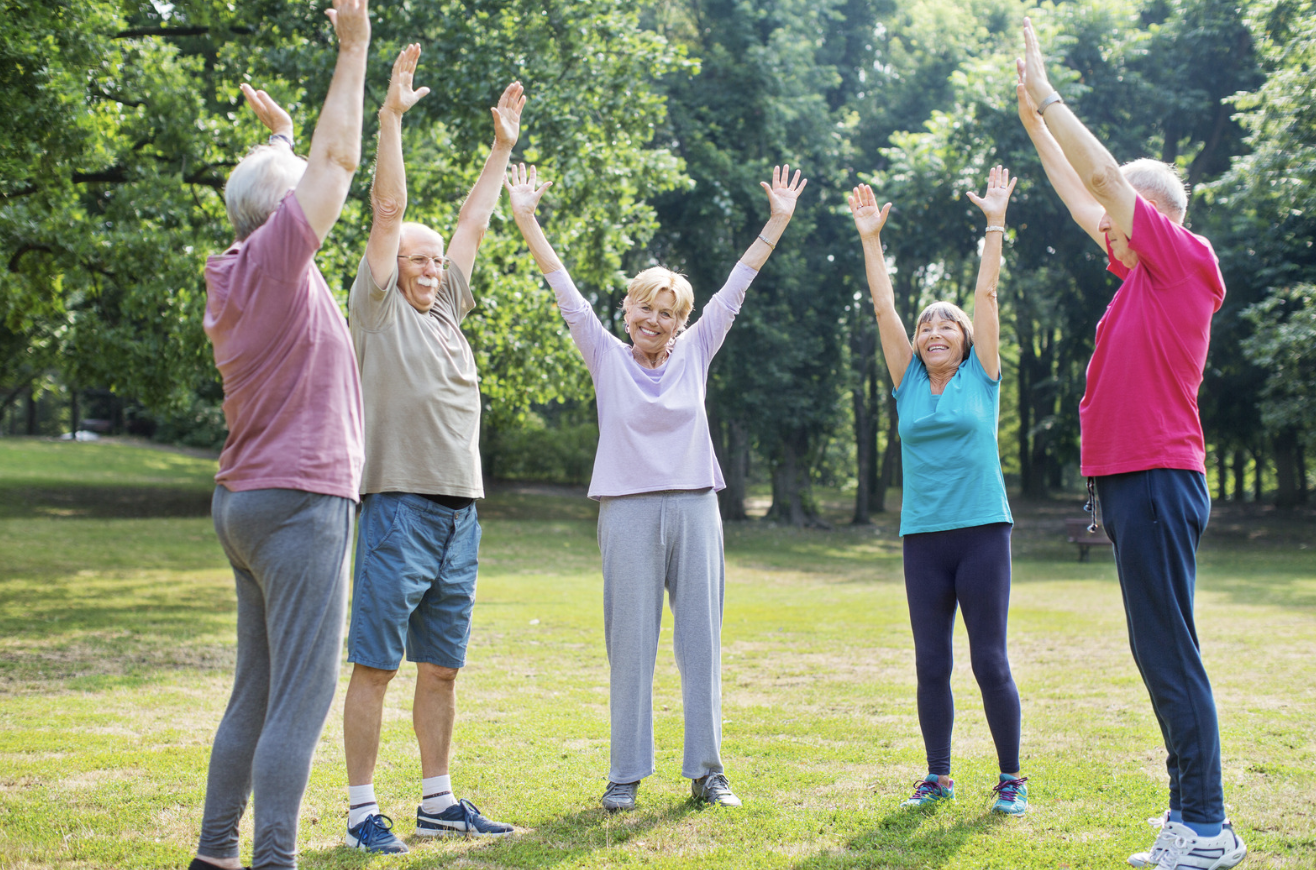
{"type": "Point", "coordinates": [116, 642]}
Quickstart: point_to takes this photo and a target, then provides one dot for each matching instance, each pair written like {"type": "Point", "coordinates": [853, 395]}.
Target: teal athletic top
{"type": "Point", "coordinates": [948, 450]}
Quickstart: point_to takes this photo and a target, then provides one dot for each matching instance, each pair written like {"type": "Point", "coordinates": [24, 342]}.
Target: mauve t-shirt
{"type": "Point", "coordinates": [292, 397]}
{"type": "Point", "coordinates": [1140, 408]}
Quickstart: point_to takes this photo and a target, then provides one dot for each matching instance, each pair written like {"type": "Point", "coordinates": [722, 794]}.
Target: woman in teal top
{"type": "Point", "coordinates": [955, 518]}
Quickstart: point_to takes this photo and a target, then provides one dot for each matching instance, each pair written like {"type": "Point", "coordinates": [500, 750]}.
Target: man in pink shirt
{"type": "Point", "coordinates": [1143, 450]}
{"type": "Point", "coordinates": [291, 467]}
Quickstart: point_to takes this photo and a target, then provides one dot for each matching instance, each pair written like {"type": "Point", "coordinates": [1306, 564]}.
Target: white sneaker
{"type": "Point", "coordinates": [1189, 851]}
{"type": "Point", "coordinates": [1163, 839]}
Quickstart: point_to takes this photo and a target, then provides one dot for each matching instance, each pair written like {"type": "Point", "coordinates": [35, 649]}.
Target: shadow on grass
{"type": "Point", "coordinates": [565, 840]}
{"type": "Point", "coordinates": [104, 502]}
{"type": "Point", "coordinates": [906, 838]}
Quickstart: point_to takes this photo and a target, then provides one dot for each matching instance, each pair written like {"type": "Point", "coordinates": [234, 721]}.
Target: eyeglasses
{"type": "Point", "coordinates": [419, 261]}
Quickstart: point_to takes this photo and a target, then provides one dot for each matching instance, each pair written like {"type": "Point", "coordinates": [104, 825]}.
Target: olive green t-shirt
{"type": "Point", "coordinates": [419, 384]}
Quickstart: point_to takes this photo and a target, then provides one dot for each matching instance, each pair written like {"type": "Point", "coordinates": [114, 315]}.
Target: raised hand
{"type": "Point", "coordinates": [784, 191]}
{"type": "Point", "coordinates": [999, 187]}
{"type": "Point", "coordinates": [1033, 71]}
{"type": "Point", "coordinates": [868, 218]}
{"type": "Point", "coordinates": [401, 96]}
{"type": "Point", "coordinates": [507, 115]}
{"type": "Point", "coordinates": [270, 113]}
{"type": "Point", "coordinates": [351, 20]}
{"type": "Point", "coordinates": [522, 190]}
{"type": "Point", "coordinates": [1027, 107]}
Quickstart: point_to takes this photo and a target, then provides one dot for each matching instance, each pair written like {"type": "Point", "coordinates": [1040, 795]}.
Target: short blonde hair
{"type": "Point", "coordinates": [1160, 183]}
{"type": "Point", "coordinates": [946, 311]}
{"type": "Point", "coordinates": [654, 280]}
{"type": "Point", "coordinates": [258, 184]}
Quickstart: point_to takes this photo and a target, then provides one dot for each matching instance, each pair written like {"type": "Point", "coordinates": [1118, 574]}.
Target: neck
{"type": "Point", "coordinates": [649, 360]}
{"type": "Point", "coordinates": [940, 379]}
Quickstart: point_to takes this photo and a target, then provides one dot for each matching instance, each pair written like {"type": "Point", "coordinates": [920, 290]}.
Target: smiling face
{"type": "Point", "coordinates": [940, 342]}
{"type": "Point", "coordinates": [419, 283]}
{"type": "Point", "coordinates": [653, 324]}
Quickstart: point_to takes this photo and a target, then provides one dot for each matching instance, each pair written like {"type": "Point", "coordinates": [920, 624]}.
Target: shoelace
{"type": "Point", "coordinates": [377, 827]}
{"type": "Point", "coordinates": [470, 812]}
{"type": "Point", "coordinates": [1008, 789]}
{"type": "Point", "coordinates": [923, 788]}
{"type": "Point", "coordinates": [716, 784]}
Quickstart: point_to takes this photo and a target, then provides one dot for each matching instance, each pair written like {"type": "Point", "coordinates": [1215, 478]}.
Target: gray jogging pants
{"type": "Point", "coordinates": [289, 550]}
{"type": "Point", "coordinates": [650, 542]}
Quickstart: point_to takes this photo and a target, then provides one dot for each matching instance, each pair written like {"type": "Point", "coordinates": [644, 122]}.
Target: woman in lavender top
{"type": "Point", "coordinates": [656, 479]}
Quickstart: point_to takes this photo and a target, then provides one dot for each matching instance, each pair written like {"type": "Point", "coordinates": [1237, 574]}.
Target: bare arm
{"type": "Point", "coordinates": [1095, 167]}
{"type": "Point", "coordinates": [1083, 206]}
{"type": "Point", "coordinates": [473, 220]}
{"type": "Point", "coordinates": [869, 220]}
{"type": "Point", "coordinates": [336, 143]}
{"type": "Point", "coordinates": [388, 194]}
{"type": "Point", "coordinates": [782, 196]}
{"type": "Point", "coordinates": [986, 310]}
{"type": "Point", "coordinates": [525, 196]}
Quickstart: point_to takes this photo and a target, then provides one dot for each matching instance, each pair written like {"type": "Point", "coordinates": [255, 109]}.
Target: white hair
{"type": "Point", "coordinates": [1160, 182]}
{"type": "Point", "coordinates": [258, 184]}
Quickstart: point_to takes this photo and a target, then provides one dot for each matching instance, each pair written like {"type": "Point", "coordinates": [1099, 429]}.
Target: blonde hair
{"type": "Point", "coordinates": [654, 280]}
{"type": "Point", "coordinates": [946, 311]}
{"type": "Point", "coordinates": [1160, 183]}
{"type": "Point", "coordinates": [258, 184]}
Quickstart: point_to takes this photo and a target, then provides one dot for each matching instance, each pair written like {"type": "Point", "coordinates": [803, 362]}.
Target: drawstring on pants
{"type": "Point", "coordinates": [1093, 504]}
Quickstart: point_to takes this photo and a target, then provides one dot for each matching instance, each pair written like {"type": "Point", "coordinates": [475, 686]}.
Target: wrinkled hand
{"type": "Point", "coordinates": [868, 218]}
{"type": "Point", "coordinates": [401, 96]}
{"type": "Point", "coordinates": [784, 191]}
{"type": "Point", "coordinates": [351, 20]}
{"type": "Point", "coordinates": [521, 189]}
{"type": "Point", "coordinates": [270, 113]}
{"type": "Point", "coordinates": [999, 187]}
{"type": "Point", "coordinates": [1027, 107]}
{"type": "Point", "coordinates": [1033, 70]}
{"type": "Point", "coordinates": [507, 115]}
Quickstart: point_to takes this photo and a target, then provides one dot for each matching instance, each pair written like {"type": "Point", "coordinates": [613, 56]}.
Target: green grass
{"type": "Point", "coordinates": [116, 644]}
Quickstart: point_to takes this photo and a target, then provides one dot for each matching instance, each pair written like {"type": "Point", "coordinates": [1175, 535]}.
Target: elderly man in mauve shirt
{"type": "Point", "coordinates": [417, 549]}
{"type": "Point", "coordinates": [1143, 451]}
{"type": "Point", "coordinates": [291, 467]}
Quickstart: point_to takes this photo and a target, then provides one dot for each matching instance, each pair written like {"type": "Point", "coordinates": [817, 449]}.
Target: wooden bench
{"type": "Point", "coordinates": [1076, 532]}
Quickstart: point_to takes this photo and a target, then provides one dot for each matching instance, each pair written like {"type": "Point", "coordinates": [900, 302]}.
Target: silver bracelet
{"type": "Point", "coordinates": [766, 242]}
{"type": "Point", "coordinates": [1000, 230]}
{"type": "Point", "coordinates": [282, 137]}
{"type": "Point", "coordinates": [1050, 100]}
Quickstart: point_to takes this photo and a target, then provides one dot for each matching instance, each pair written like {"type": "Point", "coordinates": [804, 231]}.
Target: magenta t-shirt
{"type": "Point", "coordinates": [1140, 408]}
{"type": "Point", "coordinates": [292, 396]}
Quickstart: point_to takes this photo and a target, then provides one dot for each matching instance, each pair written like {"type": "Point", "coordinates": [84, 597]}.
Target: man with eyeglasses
{"type": "Point", "coordinates": [418, 540]}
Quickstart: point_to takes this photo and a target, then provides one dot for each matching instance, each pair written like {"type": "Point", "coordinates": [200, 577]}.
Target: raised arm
{"type": "Point", "coordinates": [986, 311]}
{"type": "Point", "coordinates": [869, 220]}
{"type": "Point", "coordinates": [388, 193]}
{"type": "Point", "coordinates": [473, 220]}
{"type": "Point", "coordinates": [525, 196]}
{"type": "Point", "coordinates": [1096, 168]}
{"type": "Point", "coordinates": [1083, 206]}
{"type": "Point", "coordinates": [782, 195]}
{"type": "Point", "coordinates": [336, 143]}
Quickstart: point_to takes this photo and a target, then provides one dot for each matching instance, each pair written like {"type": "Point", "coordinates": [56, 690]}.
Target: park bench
{"type": "Point", "coordinates": [1076, 532]}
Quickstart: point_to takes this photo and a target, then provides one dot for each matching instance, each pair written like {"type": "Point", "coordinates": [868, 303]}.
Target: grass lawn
{"type": "Point", "coordinates": [116, 645]}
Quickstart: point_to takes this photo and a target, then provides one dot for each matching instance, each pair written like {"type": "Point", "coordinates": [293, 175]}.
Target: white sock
{"type": "Point", "coordinates": [361, 799]}
{"type": "Point", "coordinates": [436, 793]}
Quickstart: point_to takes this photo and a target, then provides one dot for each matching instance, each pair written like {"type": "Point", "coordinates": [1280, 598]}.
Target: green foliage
{"type": "Point", "coordinates": [1283, 345]}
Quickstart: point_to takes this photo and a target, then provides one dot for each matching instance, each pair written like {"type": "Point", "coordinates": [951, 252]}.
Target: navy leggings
{"type": "Point", "coordinates": [1156, 519]}
{"type": "Point", "coordinates": [968, 568]}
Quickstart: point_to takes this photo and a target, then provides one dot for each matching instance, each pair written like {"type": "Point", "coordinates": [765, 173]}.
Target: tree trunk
{"type": "Point", "coordinates": [1289, 474]}
{"type": "Point", "coordinates": [732, 499]}
{"type": "Point", "coordinates": [1240, 484]}
{"type": "Point", "coordinates": [73, 411]}
{"type": "Point", "coordinates": [790, 482]}
{"type": "Point", "coordinates": [1258, 481]}
{"type": "Point", "coordinates": [1221, 472]}
{"type": "Point", "coordinates": [31, 413]}
{"type": "Point", "coordinates": [863, 347]}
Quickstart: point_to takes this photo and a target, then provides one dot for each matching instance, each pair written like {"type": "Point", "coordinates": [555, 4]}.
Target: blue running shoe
{"type": "Point", "coordinates": [462, 819]}
{"type": "Point", "coordinates": [928, 791]}
{"type": "Point", "coordinates": [1011, 795]}
{"type": "Point", "coordinates": [375, 834]}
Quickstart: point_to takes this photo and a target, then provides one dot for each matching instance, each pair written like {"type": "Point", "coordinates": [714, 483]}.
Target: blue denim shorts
{"type": "Point", "coordinates": [413, 586]}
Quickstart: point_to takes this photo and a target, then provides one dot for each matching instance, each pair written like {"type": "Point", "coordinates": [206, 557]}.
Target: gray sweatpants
{"type": "Point", "coordinates": [289, 550]}
{"type": "Point", "coordinates": [653, 541]}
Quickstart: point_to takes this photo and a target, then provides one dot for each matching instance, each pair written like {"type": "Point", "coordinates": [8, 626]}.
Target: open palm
{"type": "Point", "coordinates": [868, 218]}
{"type": "Point", "coordinates": [507, 114]}
{"type": "Point", "coordinates": [999, 187]}
{"type": "Point", "coordinates": [401, 95]}
{"type": "Point", "coordinates": [523, 189]}
{"type": "Point", "coordinates": [784, 191]}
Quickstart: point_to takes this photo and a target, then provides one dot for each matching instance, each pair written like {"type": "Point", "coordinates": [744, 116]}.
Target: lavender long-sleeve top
{"type": "Point", "coordinates": [653, 429]}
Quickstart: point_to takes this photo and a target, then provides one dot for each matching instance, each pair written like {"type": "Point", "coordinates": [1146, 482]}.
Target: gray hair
{"type": "Point", "coordinates": [1160, 182]}
{"type": "Point", "coordinates": [258, 184]}
{"type": "Point", "coordinates": [946, 311]}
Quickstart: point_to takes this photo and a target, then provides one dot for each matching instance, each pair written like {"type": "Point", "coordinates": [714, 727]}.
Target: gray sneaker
{"type": "Point", "coordinates": [715, 790]}
{"type": "Point", "coordinates": [620, 796]}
